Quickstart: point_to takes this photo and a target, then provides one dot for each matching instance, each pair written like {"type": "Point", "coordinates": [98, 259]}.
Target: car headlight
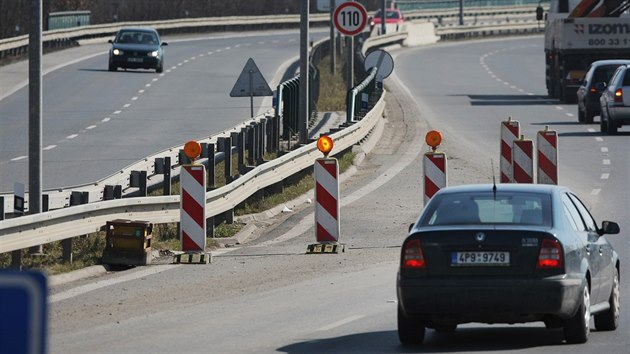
{"type": "Point", "coordinates": [154, 54]}
{"type": "Point", "coordinates": [117, 52]}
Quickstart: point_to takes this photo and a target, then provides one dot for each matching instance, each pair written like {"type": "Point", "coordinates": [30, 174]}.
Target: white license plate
{"type": "Point", "coordinates": [490, 258]}
{"type": "Point", "coordinates": [134, 60]}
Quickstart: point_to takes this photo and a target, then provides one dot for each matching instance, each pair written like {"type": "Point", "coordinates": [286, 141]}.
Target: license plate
{"type": "Point", "coordinates": [490, 258]}
{"type": "Point", "coordinates": [134, 60]}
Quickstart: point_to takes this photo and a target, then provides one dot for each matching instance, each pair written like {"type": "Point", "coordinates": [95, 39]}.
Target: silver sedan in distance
{"type": "Point", "coordinates": [507, 253]}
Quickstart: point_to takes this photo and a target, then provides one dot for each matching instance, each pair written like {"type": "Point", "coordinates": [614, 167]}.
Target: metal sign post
{"type": "Point", "coordinates": [251, 83]}
{"type": "Point", "coordinates": [350, 18]}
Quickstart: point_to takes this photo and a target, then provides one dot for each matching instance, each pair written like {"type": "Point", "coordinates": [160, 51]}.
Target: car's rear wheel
{"type": "Point", "coordinates": [609, 320]}
{"type": "Point", "coordinates": [577, 328]}
{"type": "Point", "coordinates": [611, 127]}
{"type": "Point", "coordinates": [410, 330]}
{"type": "Point", "coordinates": [588, 116]}
{"type": "Point", "coordinates": [580, 115]}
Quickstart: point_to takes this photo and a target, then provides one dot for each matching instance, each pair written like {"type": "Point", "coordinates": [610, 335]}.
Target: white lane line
{"type": "Point", "coordinates": [19, 158]}
{"type": "Point", "coordinates": [513, 87]}
{"type": "Point", "coordinates": [104, 283]}
{"type": "Point", "coordinates": [50, 147]}
{"type": "Point", "coordinates": [147, 85]}
{"type": "Point", "coordinates": [559, 108]}
{"type": "Point", "coordinates": [591, 130]}
{"type": "Point", "coordinates": [209, 53]}
{"type": "Point", "coordinates": [162, 74]}
{"type": "Point", "coordinates": [595, 191]}
{"type": "Point", "coordinates": [72, 136]}
{"type": "Point", "coordinates": [218, 51]}
{"type": "Point", "coordinates": [168, 71]}
{"type": "Point", "coordinates": [569, 114]}
{"type": "Point", "coordinates": [90, 127]}
{"type": "Point", "coordinates": [173, 67]}
{"type": "Point", "coordinates": [530, 94]}
{"type": "Point", "coordinates": [154, 80]}
{"type": "Point", "coordinates": [506, 83]}
{"type": "Point", "coordinates": [605, 176]}
{"type": "Point", "coordinates": [117, 112]}
{"type": "Point", "coordinates": [237, 46]}
{"type": "Point", "coordinates": [341, 322]}
{"type": "Point", "coordinates": [134, 98]}
{"type": "Point", "coordinates": [141, 91]}
{"type": "Point", "coordinates": [604, 149]}
{"type": "Point", "coordinates": [105, 120]}
{"type": "Point", "coordinates": [228, 48]}
{"type": "Point", "coordinates": [127, 105]}
{"type": "Point", "coordinates": [193, 58]}
{"type": "Point", "coordinates": [186, 61]}
{"type": "Point", "coordinates": [599, 138]}
{"type": "Point", "coordinates": [606, 161]}
{"type": "Point", "coordinates": [521, 90]}
{"type": "Point", "coordinates": [201, 55]}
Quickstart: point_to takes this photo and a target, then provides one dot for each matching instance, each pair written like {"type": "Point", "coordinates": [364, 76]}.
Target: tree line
{"type": "Point", "coordinates": [15, 14]}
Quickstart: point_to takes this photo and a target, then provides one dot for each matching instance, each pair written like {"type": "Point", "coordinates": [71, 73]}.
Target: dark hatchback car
{"type": "Point", "coordinates": [615, 101]}
{"type": "Point", "coordinates": [518, 253]}
{"type": "Point", "coordinates": [597, 75]}
{"type": "Point", "coordinates": [137, 48]}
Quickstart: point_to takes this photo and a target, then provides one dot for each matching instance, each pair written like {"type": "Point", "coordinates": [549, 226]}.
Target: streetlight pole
{"type": "Point", "coordinates": [304, 68]}
{"type": "Point", "coordinates": [35, 113]}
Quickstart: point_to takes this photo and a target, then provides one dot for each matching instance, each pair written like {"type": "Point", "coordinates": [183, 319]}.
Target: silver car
{"type": "Point", "coordinates": [615, 101]}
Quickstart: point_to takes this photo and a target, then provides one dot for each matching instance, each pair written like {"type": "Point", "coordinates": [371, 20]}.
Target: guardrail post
{"type": "Point", "coordinates": [182, 158]}
{"type": "Point", "coordinates": [166, 184]}
{"type": "Point", "coordinates": [250, 145]}
{"type": "Point", "coordinates": [227, 160]}
{"type": "Point", "coordinates": [76, 198]}
{"type": "Point", "coordinates": [240, 148]}
{"type": "Point", "coordinates": [211, 170]}
{"type": "Point", "coordinates": [139, 180]}
{"type": "Point", "coordinates": [1, 208]}
{"type": "Point", "coordinates": [261, 142]}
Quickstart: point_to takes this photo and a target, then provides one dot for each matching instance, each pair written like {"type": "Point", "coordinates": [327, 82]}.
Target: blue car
{"type": "Point", "coordinates": [137, 48]}
{"type": "Point", "coordinates": [510, 253]}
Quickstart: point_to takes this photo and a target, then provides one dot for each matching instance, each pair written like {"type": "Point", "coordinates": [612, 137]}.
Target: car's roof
{"type": "Point", "coordinates": [611, 62]}
{"type": "Point", "coordinates": [138, 29]}
{"type": "Point", "coordinates": [502, 188]}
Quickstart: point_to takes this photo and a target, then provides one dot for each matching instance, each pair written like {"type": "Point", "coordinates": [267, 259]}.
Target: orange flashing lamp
{"type": "Point", "coordinates": [433, 139]}
{"type": "Point", "coordinates": [192, 149]}
{"type": "Point", "coordinates": [325, 144]}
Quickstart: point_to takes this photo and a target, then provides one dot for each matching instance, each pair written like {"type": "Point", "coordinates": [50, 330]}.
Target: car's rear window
{"type": "Point", "coordinates": [486, 208]}
{"type": "Point", "coordinates": [604, 73]}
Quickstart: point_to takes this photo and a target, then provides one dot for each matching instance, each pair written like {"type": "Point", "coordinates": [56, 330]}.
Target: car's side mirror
{"type": "Point", "coordinates": [600, 86]}
{"type": "Point", "coordinates": [110, 41]}
{"type": "Point", "coordinates": [164, 43]}
{"type": "Point", "coordinates": [411, 226]}
{"type": "Point", "coordinates": [609, 227]}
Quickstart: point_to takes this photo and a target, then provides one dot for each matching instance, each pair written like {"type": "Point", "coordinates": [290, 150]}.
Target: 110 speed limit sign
{"type": "Point", "coordinates": [350, 18]}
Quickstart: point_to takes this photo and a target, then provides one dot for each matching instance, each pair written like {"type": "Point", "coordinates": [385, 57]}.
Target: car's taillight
{"type": "Point", "coordinates": [412, 256]}
{"type": "Point", "coordinates": [619, 95]}
{"type": "Point", "coordinates": [550, 255]}
{"type": "Point", "coordinates": [593, 89]}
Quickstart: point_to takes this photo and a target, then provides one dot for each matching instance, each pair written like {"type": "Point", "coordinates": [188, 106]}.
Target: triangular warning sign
{"type": "Point", "coordinates": [251, 82]}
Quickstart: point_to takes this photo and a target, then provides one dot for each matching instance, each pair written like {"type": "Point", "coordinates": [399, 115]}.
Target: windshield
{"type": "Point", "coordinates": [136, 37]}
{"type": "Point", "coordinates": [484, 208]}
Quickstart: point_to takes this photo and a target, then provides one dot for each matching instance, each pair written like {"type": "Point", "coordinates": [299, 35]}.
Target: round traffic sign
{"type": "Point", "coordinates": [350, 18]}
{"type": "Point", "coordinates": [383, 62]}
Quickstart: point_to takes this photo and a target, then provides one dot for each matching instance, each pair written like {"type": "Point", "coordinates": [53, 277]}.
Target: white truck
{"type": "Point", "coordinates": [578, 32]}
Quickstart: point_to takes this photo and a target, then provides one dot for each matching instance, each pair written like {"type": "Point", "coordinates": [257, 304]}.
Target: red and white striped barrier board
{"type": "Point", "coordinates": [547, 157]}
{"type": "Point", "coordinates": [523, 161]}
{"type": "Point", "coordinates": [435, 176]}
{"type": "Point", "coordinates": [193, 208]}
{"type": "Point", "coordinates": [510, 131]}
{"type": "Point", "coordinates": [327, 200]}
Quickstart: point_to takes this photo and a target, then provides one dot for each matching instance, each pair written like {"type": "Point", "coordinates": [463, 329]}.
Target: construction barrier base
{"type": "Point", "coordinates": [192, 258]}
{"type": "Point", "coordinates": [326, 248]}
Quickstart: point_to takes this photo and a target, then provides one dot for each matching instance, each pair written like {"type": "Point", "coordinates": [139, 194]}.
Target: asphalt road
{"type": "Point", "coordinates": [97, 122]}
{"type": "Point", "coordinates": [266, 295]}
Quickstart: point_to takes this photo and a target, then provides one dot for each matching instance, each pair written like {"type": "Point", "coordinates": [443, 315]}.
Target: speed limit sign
{"type": "Point", "coordinates": [350, 18]}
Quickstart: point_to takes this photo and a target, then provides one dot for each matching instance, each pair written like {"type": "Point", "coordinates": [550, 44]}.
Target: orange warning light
{"type": "Point", "coordinates": [433, 139]}
{"type": "Point", "coordinates": [192, 149]}
{"type": "Point", "coordinates": [325, 144]}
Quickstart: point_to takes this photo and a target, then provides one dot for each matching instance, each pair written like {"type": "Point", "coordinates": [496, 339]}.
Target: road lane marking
{"type": "Point", "coordinates": [605, 176]}
{"type": "Point", "coordinates": [595, 191]}
{"type": "Point", "coordinates": [117, 112]}
{"type": "Point", "coordinates": [72, 136]}
{"type": "Point", "coordinates": [19, 158]}
{"type": "Point", "coordinates": [569, 114]}
{"type": "Point", "coordinates": [141, 91]}
{"type": "Point", "coordinates": [90, 127]}
{"type": "Point", "coordinates": [105, 120]}
{"type": "Point", "coordinates": [154, 80]}
{"type": "Point", "coordinates": [147, 85]}
{"type": "Point", "coordinates": [604, 149]}
{"type": "Point", "coordinates": [134, 98]}
{"type": "Point", "coordinates": [127, 105]}
{"type": "Point", "coordinates": [599, 138]}
{"type": "Point", "coordinates": [606, 161]}
{"type": "Point", "coordinates": [50, 147]}
{"type": "Point", "coordinates": [340, 323]}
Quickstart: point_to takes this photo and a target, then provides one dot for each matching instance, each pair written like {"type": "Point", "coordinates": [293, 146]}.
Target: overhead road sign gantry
{"type": "Point", "coordinates": [350, 18]}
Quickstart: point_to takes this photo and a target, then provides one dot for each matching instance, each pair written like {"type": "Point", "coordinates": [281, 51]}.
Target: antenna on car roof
{"type": "Point", "coordinates": [494, 181]}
